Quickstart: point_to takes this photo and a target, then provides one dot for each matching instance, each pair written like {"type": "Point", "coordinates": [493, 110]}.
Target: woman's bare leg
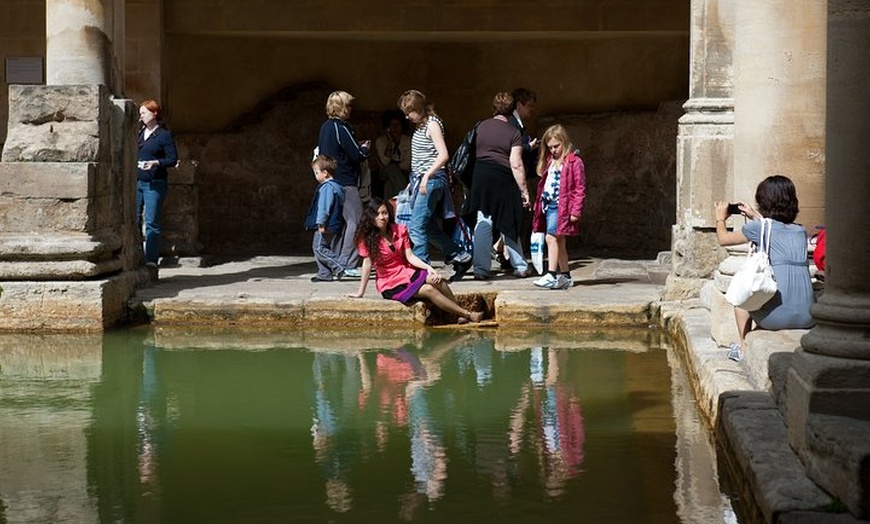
{"type": "Point", "coordinates": [445, 289]}
{"type": "Point", "coordinates": [444, 303]}
{"type": "Point", "coordinates": [744, 324]}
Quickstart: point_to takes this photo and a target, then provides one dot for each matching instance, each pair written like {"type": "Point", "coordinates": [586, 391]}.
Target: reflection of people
{"type": "Point", "coordinates": [430, 196]}
{"type": "Point", "coordinates": [561, 193]}
{"type": "Point", "coordinates": [336, 139]}
{"type": "Point", "coordinates": [156, 153]}
{"type": "Point", "coordinates": [558, 433]}
{"type": "Point", "coordinates": [335, 375]}
{"type": "Point", "coordinates": [324, 218]}
{"type": "Point", "coordinates": [394, 154]}
{"type": "Point", "coordinates": [499, 192]}
{"type": "Point", "coordinates": [790, 306]}
{"type": "Point", "coordinates": [400, 274]}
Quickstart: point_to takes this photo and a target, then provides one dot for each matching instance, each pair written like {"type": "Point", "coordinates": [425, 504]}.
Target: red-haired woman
{"type": "Point", "coordinates": [156, 154]}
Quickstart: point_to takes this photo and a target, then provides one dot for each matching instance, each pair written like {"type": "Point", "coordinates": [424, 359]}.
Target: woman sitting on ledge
{"type": "Point", "coordinates": [400, 274]}
{"type": "Point", "coordinates": [790, 306]}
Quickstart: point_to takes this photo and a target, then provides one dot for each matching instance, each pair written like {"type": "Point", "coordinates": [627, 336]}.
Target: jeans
{"type": "Point", "coordinates": [351, 211]}
{"type": "Point", "coordinates": [482, 259]}
{"type": "Point", "coordinates": [325, 247]}
{"type": "Point", "coordinates": [424, 226]}
{"type": "Point", "coordinates": [149, 200]}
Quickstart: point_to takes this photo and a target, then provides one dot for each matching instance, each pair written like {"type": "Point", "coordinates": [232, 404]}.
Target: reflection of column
{"type": "Point", "coordinates": [828, 389]}
{"type": "Point", "coordinates": [704, 146]}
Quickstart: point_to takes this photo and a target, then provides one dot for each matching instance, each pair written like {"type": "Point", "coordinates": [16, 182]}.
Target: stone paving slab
{"type": "Point", "coordinates": [278, 290]}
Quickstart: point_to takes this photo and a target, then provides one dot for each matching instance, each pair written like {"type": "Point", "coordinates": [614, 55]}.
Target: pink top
{"type": "Point", "coordinates": [392, 268]}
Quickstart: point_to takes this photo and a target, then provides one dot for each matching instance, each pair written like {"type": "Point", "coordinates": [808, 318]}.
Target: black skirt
{"type": "Point", "coordinates": [495, 193]}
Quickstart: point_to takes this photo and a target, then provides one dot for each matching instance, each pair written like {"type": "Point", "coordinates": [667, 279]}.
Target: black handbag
{"type": "Point", "coordinates": [461, 164]}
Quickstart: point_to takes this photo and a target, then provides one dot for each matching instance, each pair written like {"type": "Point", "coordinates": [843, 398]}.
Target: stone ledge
{"type": "Point", "coordinates": [73, 270]}
{"type": "Point", "coordinates": [65, 306]}
{"type": "Point", "coordinates": [313, 311]}
{"type": "Point", "coordinates": [757, 442]}
{"type": "Point", "coordinates": [838, 453]}
{"type": "Point", "coordinates": [59, 245]}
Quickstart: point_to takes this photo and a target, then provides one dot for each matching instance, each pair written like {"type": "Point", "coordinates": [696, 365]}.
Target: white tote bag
{"type": "Point", "coordinates": [537, 246]}
{"type": "Point", "coordinates": [754, 283]}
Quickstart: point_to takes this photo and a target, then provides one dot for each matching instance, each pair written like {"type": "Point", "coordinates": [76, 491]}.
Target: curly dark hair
{"type": "Point", "coordinates": [367, 232]}
{"type": "Point", "coordinates": [777, 199]}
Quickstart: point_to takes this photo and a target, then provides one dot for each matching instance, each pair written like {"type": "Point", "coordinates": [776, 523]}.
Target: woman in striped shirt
{"type": "Point", "coordinates": [430, 198]}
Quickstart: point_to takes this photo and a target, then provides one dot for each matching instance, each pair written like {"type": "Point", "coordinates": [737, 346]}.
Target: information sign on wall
{"type": "Point", "coordinates": [24, 70]}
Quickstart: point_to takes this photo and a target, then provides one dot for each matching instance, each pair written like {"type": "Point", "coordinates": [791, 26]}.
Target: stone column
{"type": "Point", "coordinates": [704, 147]}
{"type": "Point", "coordinates": [828, 389]}
{"type": "Point", "coordinates": [779, 122]}
{"type": "Point", "coordinates": [779, 92]}
{"type": "Point", "coordinates": [80, 42]}
{"type": "Point", "coordinates": [67, 181]}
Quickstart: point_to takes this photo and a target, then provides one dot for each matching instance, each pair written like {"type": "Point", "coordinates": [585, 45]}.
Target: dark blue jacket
{"type": "Point", "coordinates": [530, 156]}
{"type": "Point", "coordinates": [336, 140]}
{"type": "Point", "coordinates": [326, 207]}
{"type": "Point", "coordinates": [159, 146]}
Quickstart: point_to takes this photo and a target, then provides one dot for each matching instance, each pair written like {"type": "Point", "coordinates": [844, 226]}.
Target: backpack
{"type": "Point", "coordinates": [461, 164]}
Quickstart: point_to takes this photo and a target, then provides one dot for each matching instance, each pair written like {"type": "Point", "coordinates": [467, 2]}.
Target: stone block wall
{"type": "Point", "coordinates": [630, 180]}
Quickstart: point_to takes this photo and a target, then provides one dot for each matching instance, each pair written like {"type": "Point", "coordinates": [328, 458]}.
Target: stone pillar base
{"type": "Point", "coordinates": [74, 306]}
{"type": "Point", "coordinates": [828, 407]}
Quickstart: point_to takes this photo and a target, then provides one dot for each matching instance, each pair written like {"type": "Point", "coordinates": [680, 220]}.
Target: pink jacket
{"type": "Point", "coordinates": [572, 193]}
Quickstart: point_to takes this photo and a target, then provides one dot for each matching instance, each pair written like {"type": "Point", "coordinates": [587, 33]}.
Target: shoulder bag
{"type": "Point", "coordinates": [754, 283]}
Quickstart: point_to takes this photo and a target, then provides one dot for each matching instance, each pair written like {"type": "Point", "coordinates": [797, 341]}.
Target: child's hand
{"type": "Point", "coordinates": [322, 229]}
{"type": "Point", "coordinates": [573, 219]}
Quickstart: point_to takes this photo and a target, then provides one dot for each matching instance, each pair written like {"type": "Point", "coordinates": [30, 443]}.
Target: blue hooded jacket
{"type": "Point", "coordinates": [326, 207]}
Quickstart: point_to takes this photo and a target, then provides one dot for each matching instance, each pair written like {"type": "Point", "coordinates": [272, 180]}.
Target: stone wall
{"type": "Point", "coordinates": [630, 180]}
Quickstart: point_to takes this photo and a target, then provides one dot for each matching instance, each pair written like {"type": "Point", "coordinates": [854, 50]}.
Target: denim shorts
{"type": "Point", "coordinates": [552, 217]}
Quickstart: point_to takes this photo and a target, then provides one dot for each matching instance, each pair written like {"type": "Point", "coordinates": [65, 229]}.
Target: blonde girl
{"type": "Point", "coordinates": [561, 193]}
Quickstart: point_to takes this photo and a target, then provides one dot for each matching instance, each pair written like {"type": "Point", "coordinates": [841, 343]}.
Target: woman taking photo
{"type": "Point", "coordinates": [498, 190]}
{"type": "Point", "coordinates": [790, 306]}
{"type": "Point", "coordinates": [400, 274]}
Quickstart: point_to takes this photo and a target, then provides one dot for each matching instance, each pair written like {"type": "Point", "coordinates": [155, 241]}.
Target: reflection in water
{"type": "Point", "coordinates": [556, 433]}
{"type": "Point", "coordinates": [443, 429]}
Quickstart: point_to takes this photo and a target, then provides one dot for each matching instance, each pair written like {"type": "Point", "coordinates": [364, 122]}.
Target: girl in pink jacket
{"type": "Point", "coordinates": [561, 193]}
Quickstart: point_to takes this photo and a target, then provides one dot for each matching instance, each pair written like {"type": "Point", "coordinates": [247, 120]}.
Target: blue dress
{"type": "Point", "coordinates": [790, 307]}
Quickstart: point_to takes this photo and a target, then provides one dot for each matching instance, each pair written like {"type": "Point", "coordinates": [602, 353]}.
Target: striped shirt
{"type": "Point", "coordinates": [423, 151]}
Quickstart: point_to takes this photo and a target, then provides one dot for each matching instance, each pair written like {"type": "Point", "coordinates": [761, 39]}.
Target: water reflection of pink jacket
{"type": "Point", "coordinates": [572, 193]}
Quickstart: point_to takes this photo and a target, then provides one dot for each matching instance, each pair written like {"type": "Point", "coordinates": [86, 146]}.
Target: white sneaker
{"type": "Point", "coordinates": [563, 282]}
{"type": "Point", "coordinates": [547, 281]}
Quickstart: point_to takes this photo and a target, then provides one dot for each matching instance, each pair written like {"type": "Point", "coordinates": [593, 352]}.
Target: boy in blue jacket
{"type": "Point", "coordinates": [325, 219]}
